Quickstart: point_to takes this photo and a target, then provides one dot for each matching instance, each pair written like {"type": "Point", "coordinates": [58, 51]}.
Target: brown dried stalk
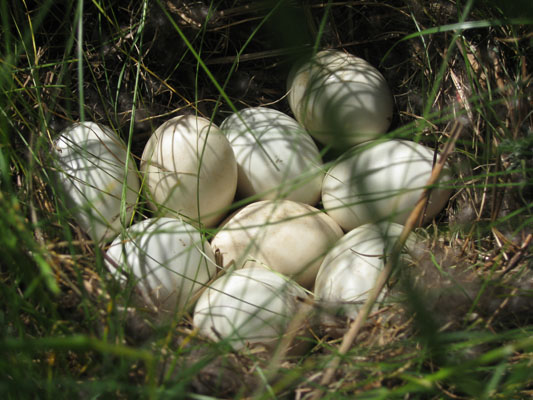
{"type": "Point", "coordinates": [410, 224]}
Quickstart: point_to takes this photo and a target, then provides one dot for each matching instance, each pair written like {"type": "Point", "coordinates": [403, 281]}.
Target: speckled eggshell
{"type": "Point", "coordinates": [341, 99]}
{"type": "Point", "coordinates": [276, 157]}
{"type": "Point", "coordinates": [380, 181]}
{"type": "Point", "coordinates": [168, 260]}
{"type": "Point", "coordinates": [288, 237]}
{"type": "Point", "coordinates": [247, 306]}
{"type": "Point", "coordinates": [90, 161]}
{"type": "Point", "coordinates": [190, 169]}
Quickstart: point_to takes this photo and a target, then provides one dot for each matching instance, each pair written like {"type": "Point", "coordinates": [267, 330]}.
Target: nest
{"type": "Point", "coordinates": [142, 66]}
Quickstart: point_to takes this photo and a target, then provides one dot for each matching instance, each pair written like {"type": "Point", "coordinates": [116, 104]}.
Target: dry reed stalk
{"type": "Point", "coordinates": [411, 223]}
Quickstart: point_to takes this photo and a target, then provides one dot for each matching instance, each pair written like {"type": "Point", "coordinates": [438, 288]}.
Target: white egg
{"type": "Point", "coordinates": [288, 237]}
{"type": "Point", "coordinates": [350, 269]}
{"type": "Point", "coordinates": [276, 157]}
{"type": "Point", "coordinates": [342, 100]}
{"type": "Point", "coordinates": [380, 181]}
{"type": "Point", "coordinates": [168, 260]}
{"type": "Point", "coordinates": [190, 169]}
{"type": "Point", "coordinates": [90, 162]}
{"type": "Point", "coordinates": [247, 306]}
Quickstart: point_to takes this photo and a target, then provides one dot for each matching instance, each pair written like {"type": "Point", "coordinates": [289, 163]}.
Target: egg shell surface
{"type": "Point", "coordinates": [276, 157]}
{"type": "Point", "coordinates": [168, 260]}
{"type": "Point", "coordinates": [288, 237]}
{"type": "Point", "coordinates": [91, 171]}
{"type": "Point", "coordinates": [341, 99]}
{"type": "Point", "coordinates": [350, 269]}
{"type": "Point", "coordinates": [247, 306]}
{"type": "Point", "coordinates": [380, 181]}
{"type": "Point", "coordinates": [190, 169]}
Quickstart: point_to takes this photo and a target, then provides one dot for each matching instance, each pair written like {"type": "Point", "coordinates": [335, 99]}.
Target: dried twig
{"type": "Point", "coordinates": [518, 255]}
{"type": "Point", "coordinates": [357, 324]}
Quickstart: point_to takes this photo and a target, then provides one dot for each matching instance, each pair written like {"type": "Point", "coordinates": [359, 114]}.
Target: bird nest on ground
{"type": "Point", "coordinates": [462, 307]}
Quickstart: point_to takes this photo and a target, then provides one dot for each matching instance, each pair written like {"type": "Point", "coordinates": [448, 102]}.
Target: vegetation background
{"type": "Point", "coordinates": [464, 326]}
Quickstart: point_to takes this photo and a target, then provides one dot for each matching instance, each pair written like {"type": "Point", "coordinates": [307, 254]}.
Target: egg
{"type": "Point", "coordinates": [276, 157]}
{"type": "Point", "coordinates": [190, 169]}
{"type": "Point", "coordinates": [350, 269]}
{"type": "Point", "coordinates": [168, 260]}
{"type": "Point", "coordinates": [379, 181]}
{"type": "Point", "coordinates": [341, 99]}
{"type": "Point", "coordinates": [90, 161]}
{"type": "Point", "coordinates": [285, 236]}
{"type": "Point", "coordinates": [247, 306]}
